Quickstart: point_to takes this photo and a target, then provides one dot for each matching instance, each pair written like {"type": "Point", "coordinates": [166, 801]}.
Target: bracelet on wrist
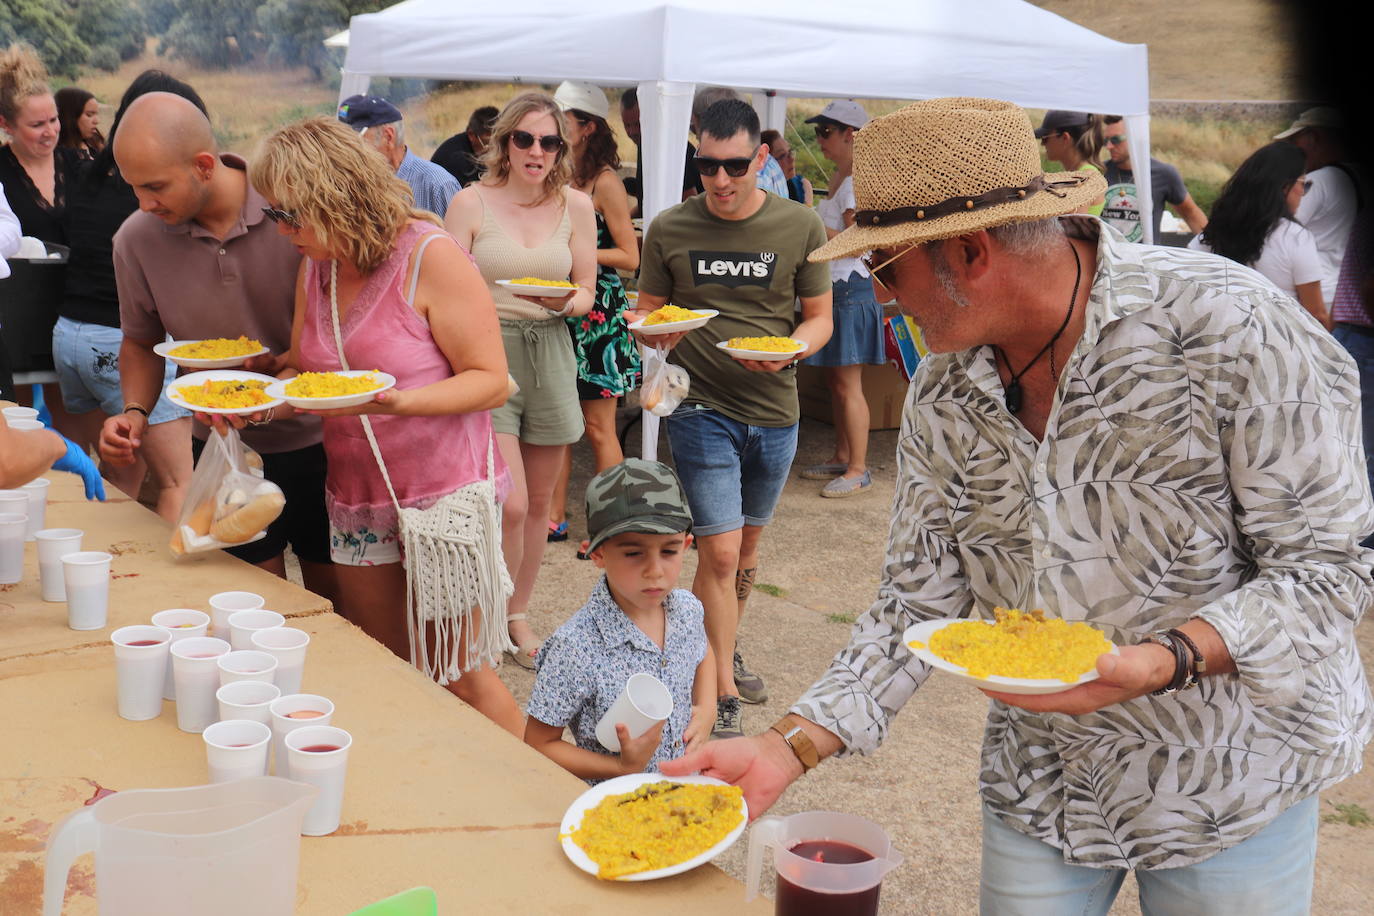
{"type": "Point", "coordinates": [137, 408]}
{"type": "Point", "coordinates": [1199, 662]}
{"type": "Point", "coordinates": [1184, 676]}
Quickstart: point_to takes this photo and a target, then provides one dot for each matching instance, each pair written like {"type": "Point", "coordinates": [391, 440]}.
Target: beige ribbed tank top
{"type": "Point", "coordinates": [499, 257]}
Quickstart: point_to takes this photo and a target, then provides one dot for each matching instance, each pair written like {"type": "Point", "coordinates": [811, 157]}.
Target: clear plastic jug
{"type": "Point", "coordinates": [231, 848]}
{"type": "Point", "coordinates": [827, 863]}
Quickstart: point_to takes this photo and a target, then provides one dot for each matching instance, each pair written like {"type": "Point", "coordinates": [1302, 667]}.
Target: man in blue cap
{"type": "Point", "coordinates": [379, 123]}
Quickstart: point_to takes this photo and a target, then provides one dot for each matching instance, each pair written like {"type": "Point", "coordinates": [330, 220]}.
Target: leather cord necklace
{"type": "Point", "coordinates": [1013, 396]}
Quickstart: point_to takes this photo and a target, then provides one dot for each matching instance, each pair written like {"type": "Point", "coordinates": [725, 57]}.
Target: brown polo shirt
{"type": "Point", "coordinates": [182, 281]}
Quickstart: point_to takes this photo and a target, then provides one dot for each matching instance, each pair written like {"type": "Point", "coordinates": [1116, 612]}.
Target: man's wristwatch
{"type": "Point", "coordinates": [798, 740]}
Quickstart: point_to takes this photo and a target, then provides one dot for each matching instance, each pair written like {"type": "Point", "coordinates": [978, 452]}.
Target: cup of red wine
{"type": "Point", "coordinates": [826, 862]}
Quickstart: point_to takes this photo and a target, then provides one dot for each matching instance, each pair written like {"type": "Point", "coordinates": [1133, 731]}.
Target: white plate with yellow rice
{"type": "Point", "coordinates": [917, 639]}
{"type": "Point", "coordinates": [701, 316]}
{"type": "Point", "coordinates": [215, 391]}
{"type": "Point", "coordinates": [221, 352]}
{"type": "Point", "coordinates": [620, 785]}
{"type": "Point", "coordinates": [533, 286]}
{"type": "Point", "coordinates": [738, 351]}
{"type": "Point", "coordinates": [321, 384]}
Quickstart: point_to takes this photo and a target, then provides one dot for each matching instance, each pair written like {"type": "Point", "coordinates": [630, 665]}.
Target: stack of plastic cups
{"type": "Point", "coordinates": [12, 527]}
{"type": "Point", "coordinates": [53, 545]}
{"type": "Point", "coordinates": [37, 491]}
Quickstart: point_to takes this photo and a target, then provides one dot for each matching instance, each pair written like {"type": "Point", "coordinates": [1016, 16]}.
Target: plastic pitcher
{"type": "Point", "coordinates": [827, 863]}
{"type": "Point", "coordinates": [217, 850]}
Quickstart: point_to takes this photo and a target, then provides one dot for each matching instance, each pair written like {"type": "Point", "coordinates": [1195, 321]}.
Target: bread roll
{"type": "Point", "coordinates": [201, 517]}
{"type": "Point", "coordinates": [247, 520]}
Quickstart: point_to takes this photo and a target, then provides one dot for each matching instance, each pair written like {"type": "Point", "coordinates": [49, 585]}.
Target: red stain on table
{"type": "Point", "coordinates": [100, 791]}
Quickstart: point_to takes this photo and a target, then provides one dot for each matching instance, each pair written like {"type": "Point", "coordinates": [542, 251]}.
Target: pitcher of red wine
{"type": "Point", "coordinates": [827, 863]}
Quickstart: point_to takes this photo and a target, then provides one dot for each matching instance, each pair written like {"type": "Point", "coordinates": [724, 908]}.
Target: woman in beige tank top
{"type": "Point", "coordinates": [524, 220]}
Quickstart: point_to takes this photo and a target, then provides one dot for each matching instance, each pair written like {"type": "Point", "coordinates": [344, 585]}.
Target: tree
{"type": "Point", "coordinates": [215, 33]}
{"type": "Point", "coordinates": [298, 28]}
{"type": "Point", "coordinates": [48, 26]}
{"type": "Point", "coordinates": [111, 27]}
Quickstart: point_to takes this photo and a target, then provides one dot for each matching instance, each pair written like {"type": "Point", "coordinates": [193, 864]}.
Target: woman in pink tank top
{"type": "Point", "coordinates": [408, 302]}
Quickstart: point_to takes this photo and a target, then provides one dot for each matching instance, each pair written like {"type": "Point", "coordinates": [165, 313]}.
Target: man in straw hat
{"type": "Point", "coordinates": [1145, 439]}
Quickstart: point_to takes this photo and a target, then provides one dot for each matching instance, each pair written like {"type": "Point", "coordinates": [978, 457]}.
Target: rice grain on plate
{"type": "Point", "coordinates": [766, 344]}
{"type": "Point", "coordinates": [670, 313]}
{"type": "Point", "coordinates": [225, 394]}
{"type": "Point", "coordinates": [657, 825]}
{"type": "Point", "coordinates": [330, 385]}
{"type": "Point", "coordinates": [217, 348]}
{"type": "Point", "coordinates": [535, 281]}
{"type": "Point", "coordinates": [1021, 644]}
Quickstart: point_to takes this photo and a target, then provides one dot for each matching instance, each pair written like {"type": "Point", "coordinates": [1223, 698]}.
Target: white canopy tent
{"type": "Point", "coordinates": [900, 49]}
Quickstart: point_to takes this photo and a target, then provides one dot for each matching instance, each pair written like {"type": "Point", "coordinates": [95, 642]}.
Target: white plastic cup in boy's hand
{"type": "Point", "coordinates": [86, 578]}
{"type": "Point", "coordinates": [26, 423]}
{"type": "Point", "coordinates": [243, 623]}
{"type": "Point", "coordinates": [643, 703]}
{"type": "Point", "coordinates": [290, 713]}
{"type": "Point", "coordinates": [247, 700]}
{"type": "Point", "coordinates": [247, 665]}
{"type": "Point", "coordinates": [225, 603]}
{"type": "Point", "coordinates": [182, 623]}
{"type": "Point", "coordinates": [38, 504]}
{"type": "Point", "coordinates": [19, 413]}
{"type": "Point", "coordinates": [53, 545]}
{"type": "Point", "coordinates": [140, 659]}
{"type": "Point", "coordinates": [196, 672]}
{"type": "Point", "coordinates": [236, 749]}
{"type": "Point", "coordinates": [318, 755]}
{"type": "Point", "coordinates": [12, 527]}
{"type": "Point", "coordinates": [288, 645]}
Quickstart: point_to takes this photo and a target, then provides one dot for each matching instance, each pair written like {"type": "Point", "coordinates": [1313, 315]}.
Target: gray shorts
{"type": "Point", "coordinates": [545, 411]}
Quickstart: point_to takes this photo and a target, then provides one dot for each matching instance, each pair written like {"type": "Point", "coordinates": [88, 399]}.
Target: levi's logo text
{"type": "Point", "coordinates": [733, 268]}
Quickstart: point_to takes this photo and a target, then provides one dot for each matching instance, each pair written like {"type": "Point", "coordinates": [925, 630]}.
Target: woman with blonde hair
{"type": "Point", "coordinates": [524, 220]}
{"type": "Point", "coordinates": [382, 288]}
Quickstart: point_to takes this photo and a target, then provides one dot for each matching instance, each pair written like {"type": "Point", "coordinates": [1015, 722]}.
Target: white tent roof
{"type": "Point", "coordinates": [907, 49]}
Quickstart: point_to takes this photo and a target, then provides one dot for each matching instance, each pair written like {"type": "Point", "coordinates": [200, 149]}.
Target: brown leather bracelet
{"type": "Point", "coordinates": [135, 406]}
{"type": "Point", "coordinates": [799, 741]}
{"type": "Point", "coordinates": [1199, 665]}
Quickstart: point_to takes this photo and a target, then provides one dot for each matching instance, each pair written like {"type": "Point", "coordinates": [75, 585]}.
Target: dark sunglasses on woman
{"type": "Point", "coordinates": [735, 167]}
{"type": "Point", "coordinates": [282, 216]}
{"type": "Point", "coordinates": [823, 131]}
{"type": "Point", "coordinates": [523, 139]}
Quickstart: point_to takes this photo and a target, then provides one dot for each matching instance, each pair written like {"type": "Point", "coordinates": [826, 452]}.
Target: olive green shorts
{"type": "Point", "coordinates": [545, 411]}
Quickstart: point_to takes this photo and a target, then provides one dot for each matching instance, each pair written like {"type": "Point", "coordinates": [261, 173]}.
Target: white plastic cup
{"type": "Point", "coordinates": [86, 578]}
{"type": "Point", "coordinates": [318, 755]}
{"type": "Point", "coordinates": [236, 749]}
{"type": "Point", "coordinates": [19, 413]}
{"type": "Point", "coordinates": [243, 623]}
{"type": "Point", "coordinates": [286, 718]}
{"type": "Point", "coordinates": [247, 700]}
{"type": "Point", "coordinates": [225, 603]}
{"type": "Point", "coordinates": [38, 502]}
{"type": "Point", "coordinates": [182, 623]}
{"type": "Point", "coordinates": [53, 545]}
{"type": "Point", "coordinates": [288, 645]}
{"type": "Point", "coordinates": [12, 528]}
{"type": "Point", "coordinates": [140, 659]}
{"type": "Point", "coordinates": [25, 423]}
{"type": "Point", "coordinates": [643, 703]}
{"type": "Point", "coordinates": [247, 665]}
{"type": "Point", "coordinates": [196, 672]}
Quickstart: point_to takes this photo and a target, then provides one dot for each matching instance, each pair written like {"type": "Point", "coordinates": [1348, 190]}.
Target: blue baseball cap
{"type": "Point", "coordinates": [359, 111]}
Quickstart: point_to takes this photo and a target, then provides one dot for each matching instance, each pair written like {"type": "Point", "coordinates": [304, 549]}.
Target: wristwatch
{"type": "Point", "coordinates": [798, 740]}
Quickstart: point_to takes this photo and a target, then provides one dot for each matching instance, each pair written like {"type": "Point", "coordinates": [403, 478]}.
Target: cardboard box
{"type": "Point", "coordinates": [884, 388]}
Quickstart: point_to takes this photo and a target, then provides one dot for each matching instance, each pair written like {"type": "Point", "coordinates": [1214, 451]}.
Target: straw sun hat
{"type": "Point", "coordinates": [948, 167]}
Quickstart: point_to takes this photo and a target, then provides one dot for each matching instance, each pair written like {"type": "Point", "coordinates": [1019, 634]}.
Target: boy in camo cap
{"type": "Point", "coordinates": [636, 621]}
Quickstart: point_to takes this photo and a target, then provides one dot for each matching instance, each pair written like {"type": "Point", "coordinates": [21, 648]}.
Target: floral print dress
{"type": "Point", "coordinates": [607, 357]}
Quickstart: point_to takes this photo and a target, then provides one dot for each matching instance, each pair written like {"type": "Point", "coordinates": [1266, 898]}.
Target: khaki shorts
{"type": "Point", "coordinates": [545, 411]}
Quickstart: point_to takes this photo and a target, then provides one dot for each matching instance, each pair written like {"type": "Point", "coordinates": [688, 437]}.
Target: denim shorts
{"type": "Point", "coordinates": [858, 335]}
{"type": "Point", "coordinates": [87, 359]}
{"type": "Point", "coordinates": [733, 472]}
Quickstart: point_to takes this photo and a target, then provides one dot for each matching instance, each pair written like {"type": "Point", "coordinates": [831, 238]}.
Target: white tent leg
{"type": "Point", "coordinates": [352, 84]}
{"type": "Point", "coordinates": [774, 111]}
{"type": "Point", "coordinates": [665, 114]}
{"type": "Point", "coordinates": [1138, 136]}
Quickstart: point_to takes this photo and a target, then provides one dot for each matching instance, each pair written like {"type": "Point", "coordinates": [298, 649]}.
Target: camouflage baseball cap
{"type": "Point", "coordinates": [635, 495]}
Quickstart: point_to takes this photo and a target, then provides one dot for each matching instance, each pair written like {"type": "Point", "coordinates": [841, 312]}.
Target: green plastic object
{"type": "Point", "coordinates": [418, 901]}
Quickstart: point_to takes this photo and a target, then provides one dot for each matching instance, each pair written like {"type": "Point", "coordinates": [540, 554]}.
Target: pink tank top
{"type": "Point", "coordinates": [427, 457]}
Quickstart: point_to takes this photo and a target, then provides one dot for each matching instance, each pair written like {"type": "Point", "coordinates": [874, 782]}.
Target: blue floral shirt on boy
{"type": "Point", "coordinates": [584, 665]}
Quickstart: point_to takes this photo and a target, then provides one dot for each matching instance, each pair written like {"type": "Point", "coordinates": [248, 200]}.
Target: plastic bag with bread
{"type": "Point", "coordinates": [228, 502]}
{"type": "Point", "coordinates": [665, 384]}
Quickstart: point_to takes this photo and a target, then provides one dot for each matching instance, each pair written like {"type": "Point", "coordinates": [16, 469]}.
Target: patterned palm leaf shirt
{"type": "Point", "coordinates": [1202, 459]}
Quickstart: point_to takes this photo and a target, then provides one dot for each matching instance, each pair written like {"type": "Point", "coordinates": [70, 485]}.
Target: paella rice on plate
{"type": "Point", "coordinates": [217, 348]}
{"type": "Point", "coordinates": [1021, 644]}
{"type": "Point", "coordinates": [330, 385]}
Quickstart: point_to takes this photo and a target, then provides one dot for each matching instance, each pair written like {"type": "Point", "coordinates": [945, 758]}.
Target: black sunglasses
{"type": "Point", "coordinates": [282, 216]}
{"type": "Point", "coordinates": [735, 167]}
{"type": "Point", "coordinates": [1116, 140]}
{"type": "Point", "coordinates": [823, 131]}
{"type": "Point", "coordinates": [523, 139]}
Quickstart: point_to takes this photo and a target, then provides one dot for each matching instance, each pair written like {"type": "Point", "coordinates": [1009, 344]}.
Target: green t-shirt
{"type": "Point", "coordinates": [751, 271]}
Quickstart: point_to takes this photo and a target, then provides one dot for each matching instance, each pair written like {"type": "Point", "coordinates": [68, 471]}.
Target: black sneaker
{"type": "Point", "coordinates": [750, 686]}
{"type": "Point", "coordinates": [728, 719]}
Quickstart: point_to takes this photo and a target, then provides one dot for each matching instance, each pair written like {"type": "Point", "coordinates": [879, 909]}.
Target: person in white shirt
{"type": "Point", "coordinates": [10, 234]}
{"type": "Point", "coordinates": [1328, 209]}
{"type": "Point", "coordinates": [1253, 223]}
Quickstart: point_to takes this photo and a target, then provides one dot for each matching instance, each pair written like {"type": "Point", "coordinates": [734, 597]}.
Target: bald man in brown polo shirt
{"type": "Point", "coordinates": [201, 260]}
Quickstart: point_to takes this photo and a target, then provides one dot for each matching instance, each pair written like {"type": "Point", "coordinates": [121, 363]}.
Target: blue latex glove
{"type": "Point", "coordinates": [78, 462]}
{"type": "Point", "coordinates": [40, 405]}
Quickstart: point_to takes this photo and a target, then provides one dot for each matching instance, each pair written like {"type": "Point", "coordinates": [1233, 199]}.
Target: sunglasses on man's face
{"type": "Point", "coordinates": [282, 216]}
{"type": "Point", "coordinates": [523, 139]}
{"type": "Point", "coordinates": [878, 263]}
{"type": "Point", "coordinates": [1116, 140]}
{"type": "Point", "coordinates": [734, 167]}
{"type": "Point", "coordinates": [823, 131]}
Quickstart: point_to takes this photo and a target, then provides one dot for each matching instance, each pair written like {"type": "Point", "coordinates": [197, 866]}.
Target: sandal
{"type": "Point", "coordinates": [582, 552]}
{"type": "Point", "coordinates": [525, 655]}
{"type": "Point", "coordinates": [558, 532]}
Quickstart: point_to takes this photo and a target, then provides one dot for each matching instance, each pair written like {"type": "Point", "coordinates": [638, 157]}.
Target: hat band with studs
{"type": "Point", "coordinates": [965, 204]}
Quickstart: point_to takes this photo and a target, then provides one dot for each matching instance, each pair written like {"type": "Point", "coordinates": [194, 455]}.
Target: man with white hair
{"type": "Point", "coordinates": [379, 123]}
{"type": "Point", "coordinates": [1147, 440]}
